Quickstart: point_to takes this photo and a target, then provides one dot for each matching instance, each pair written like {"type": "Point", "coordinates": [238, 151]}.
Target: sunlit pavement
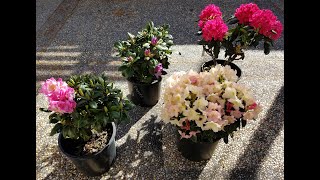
{"type": "Point", "coordinates": [77, 36]}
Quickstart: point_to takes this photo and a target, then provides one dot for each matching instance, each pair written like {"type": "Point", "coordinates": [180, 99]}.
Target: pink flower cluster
{"type": "Point", "coordinates": [263, 20]}
{"type": "Point", "coordinates": [267, 23]}
{"type": "Point", "coordinates": [215, 29]}
{"type": "Point", "coordinates": [213, 26]}
{"type": "Point", "coordinates": [208, 13]}
{"type": "Point", "coordinates": [60, 95]}
{"type": "Point", "coordinates": [211, 23]}
{"type": "Point", "coordinates": [245, 11]}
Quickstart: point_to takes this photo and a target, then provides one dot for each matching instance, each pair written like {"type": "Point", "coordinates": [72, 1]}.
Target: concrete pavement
{"type": "Point", "coordinates": [77, 36]}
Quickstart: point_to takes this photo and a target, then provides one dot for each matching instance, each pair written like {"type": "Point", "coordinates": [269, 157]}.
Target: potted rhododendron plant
{"type": "Point", "coordinates": [249, 26]}
{"type": "Point", "coordinates": [145, 57]}
{"type": "Point", "coordinates": [206, 107]}
{"type": "Point", "coordinates": [85, 110]}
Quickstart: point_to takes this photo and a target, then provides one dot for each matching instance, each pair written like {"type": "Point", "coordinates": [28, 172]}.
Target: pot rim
{"type": "Point", "coordinates": [131, 80]}
{"type": "Point", "coordinates": [90, 155]}
{"type": "Point", "coordinates": [239, 71]}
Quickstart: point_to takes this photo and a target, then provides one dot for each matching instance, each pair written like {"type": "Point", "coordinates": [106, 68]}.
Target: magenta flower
{"type": "Point", "coordinates": [208, 13]}
{"type": "Point", "coordinates": [245, 11]}
{"type": "Point", "coordinates": [267, 24]}
{"type": "Point", "coordinates": [147, 53]}
{"type": "Point", "coordinates": [158, 70]}
{"type": "Point", "coordinates": [214, 29]}
{"type": "Point", "coordinates": [154, 41]}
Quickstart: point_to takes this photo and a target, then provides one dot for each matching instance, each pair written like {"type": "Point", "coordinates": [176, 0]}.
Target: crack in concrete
{"type": "Point", "coordinates": [54, 23]}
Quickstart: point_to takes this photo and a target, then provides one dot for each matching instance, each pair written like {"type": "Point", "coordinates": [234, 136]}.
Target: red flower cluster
{"type": "Point", "coordinates": [245, 11]}
{"type": "Point", "coordinates": [267, 24]}
{"type": "Point", "coordinates": [210, 12]}
{"type": "Point", "coordinates": [215, 29]}
{"type": "Point", "coordinates": [264, 21]}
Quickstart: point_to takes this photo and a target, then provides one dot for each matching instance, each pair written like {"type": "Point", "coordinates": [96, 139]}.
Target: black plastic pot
{"type": "Point", "coordinates": [222, 62]}
{"type": "Point", "coordinates": [144, 94]}
{"type": "Point", "coordinates": [91, 165]}
{"type": "Point", "coordinates": [196, 151]}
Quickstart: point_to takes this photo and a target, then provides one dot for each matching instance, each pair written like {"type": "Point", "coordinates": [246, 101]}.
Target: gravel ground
{"type": "Point", "coordinates": [76, 36]}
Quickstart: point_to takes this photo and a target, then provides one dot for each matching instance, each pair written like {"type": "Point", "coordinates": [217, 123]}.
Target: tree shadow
{"type": "Point", "coordinates": [176, 165]}
{"type": "Point", "coordinates": [250, 162]}
{"type": "Point", "coordinates": [141, 156]}
{"type": "Point", "coordinates": [135, 115]}
{"type": "Point", "coordinates": [62, 167]}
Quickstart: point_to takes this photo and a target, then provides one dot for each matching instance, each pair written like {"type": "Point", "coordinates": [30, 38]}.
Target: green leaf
{"type": "Point", "coordinates": [115, 114]}
{"type": "Point", "coordinates": [93, 104]}
{"type": "Point", "coordinates": [194, 138]}
{"type": "Point", "coordinates": [69, 131]}
{"type": "Point", "coordinates": [146, 45]}
{"type": "Point", "coordinates": [54, 120]}
{"type": "Point", "coordinates": [170, 43]}
{"type": "Point", "coordinates": [131, 35]}
{"type": "Point", "coordinates": [233, 21]}
{"type": "Point", "coordinates": [81, 103]}
{"type": "Point", "coordinates": [125, 117]}
{"type": "Point", "coordinates": [128, 105]}
{"type": "Point", "coordinates": [161, 48]}
{"type": "Point", "coordinates": [122, 68]}
{"type": "Point", "coordinates": [202, 42]}
{"type": "Point", "coordinates": [44, 110]}
{"type": "Point", "coordinates": [118, 45]}
{"type": "Point", "coordinates": [266, 46]}
{"type": "Point", "coordinates": [243, 30]}
{"type": "Point", "coordinates": [114, 108]}
{"type": "Point", "coordinates": [105, 120]}
{"type": "Point", "coordinates": [127, 72]}
{"type": "Point", "coordinates": [56, 129]}
{"type": "Point", "coordinates": [216, 50]}
{"type": "Point", "coordinates": [84, 134]}
{"type": "Point", "coordinates": [101, 80]}
{"type": "Point", "coordinates": [97, 126]}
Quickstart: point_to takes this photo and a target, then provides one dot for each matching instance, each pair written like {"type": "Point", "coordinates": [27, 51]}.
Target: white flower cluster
{"type": "Point", "coordinates": [211, 99]}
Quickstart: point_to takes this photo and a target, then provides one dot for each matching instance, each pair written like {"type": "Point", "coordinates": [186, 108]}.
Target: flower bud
{"type": "Point", "coordinates": [154, 41]}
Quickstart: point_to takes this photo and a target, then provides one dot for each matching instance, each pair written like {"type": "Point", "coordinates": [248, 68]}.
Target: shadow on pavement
{"type": "Point", "coordinates": [249, 163]}
{"type": "Point", "coordinates": [141, 157]}
{"type": "Point", "coordinates": [135, 114]}
{"type": "Point", "coordinates": [63, 168]}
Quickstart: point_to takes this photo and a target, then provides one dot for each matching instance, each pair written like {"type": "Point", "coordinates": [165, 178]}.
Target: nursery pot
{"type": "Point", "coordinates": [222, 62]}
{"type": "Point", "coordinates": [95, 164]}
{"type": "Point", "coordinates": [198, 151]}
{"type": "Point", "coordinates": [144, 94]}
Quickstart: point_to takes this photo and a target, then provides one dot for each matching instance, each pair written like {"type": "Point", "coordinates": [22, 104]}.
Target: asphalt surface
{"type": "Point", "coordinates": [77, 36]}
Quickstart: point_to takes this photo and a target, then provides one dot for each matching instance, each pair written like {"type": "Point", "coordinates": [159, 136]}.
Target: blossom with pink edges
{"type": "Point", "coordinates": [158, 70]}
{"type": "Point", "coordinates": [59, 94]}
